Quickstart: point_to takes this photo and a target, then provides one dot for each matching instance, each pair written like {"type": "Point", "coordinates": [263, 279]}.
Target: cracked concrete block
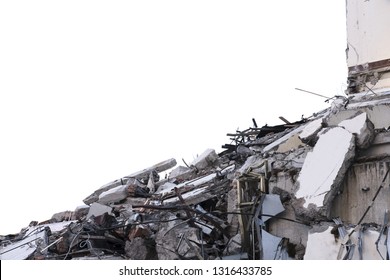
{"type": "Point", "coordinates": [362, 127]}
{"type": "Point", "coordinates": [206, 159]}
{"type": "Point", "coordinates": [97, 209]}
{"type": "Point", "coordinates": [324, 168]}
{"type": "Point", "coordinates": [309, 133]}
{"type": "Point", "coordinates": [113, 195]}
{"type": "Point", "coordinates": [142, 174]}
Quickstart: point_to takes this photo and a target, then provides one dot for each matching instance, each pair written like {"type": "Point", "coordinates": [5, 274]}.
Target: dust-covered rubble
{"type": "Point", "coordinates": [314, 189]}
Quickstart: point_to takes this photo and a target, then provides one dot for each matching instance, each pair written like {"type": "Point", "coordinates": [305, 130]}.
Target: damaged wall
{"type": "Point", "coordinates": [274, 195]}
{"type": "Point", "coordinates": [360, 185]}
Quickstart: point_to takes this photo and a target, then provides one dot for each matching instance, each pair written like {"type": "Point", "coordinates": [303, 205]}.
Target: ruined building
{"type": "Point", "coordinates": [317, 188]}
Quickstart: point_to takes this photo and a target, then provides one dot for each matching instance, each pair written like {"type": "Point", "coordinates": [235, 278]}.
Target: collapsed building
{"type": "Point", "coordinates": [318, 188]}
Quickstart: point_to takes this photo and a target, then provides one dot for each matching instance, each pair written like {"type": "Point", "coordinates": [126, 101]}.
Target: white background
{"type": "Point", "coordinates": [91, 91]}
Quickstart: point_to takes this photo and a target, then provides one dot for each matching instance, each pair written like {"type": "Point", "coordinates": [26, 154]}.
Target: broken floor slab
{"type": "Point", "coordinates": [324, 168]}
{"type": "Point", "coordinates": [113, 195]}
{"type": "Point", "coordinates": [310, 131]}
{"type": "Point", "coordinates": [362, 127]}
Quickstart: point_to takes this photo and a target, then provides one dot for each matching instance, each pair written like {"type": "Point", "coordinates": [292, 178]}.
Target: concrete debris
{"type": "Point", "coordinates": [312, 189]}
{"type": "Point", "coordinates": [113, 195]}
{"type": "Point", "coordinates": [97, 209]}
{"type": "Point", "coordinates": [309, 135]}
{"type": "Point", "coordinates": [362, 127]}
{"type": "Point", "coordinates": [181, 173]}
{"type": "Point", "coordinates": [324, 168]}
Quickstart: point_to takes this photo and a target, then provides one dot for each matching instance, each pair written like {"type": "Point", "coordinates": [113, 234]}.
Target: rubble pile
{"type": "Point", "coordinates": [314, 189]}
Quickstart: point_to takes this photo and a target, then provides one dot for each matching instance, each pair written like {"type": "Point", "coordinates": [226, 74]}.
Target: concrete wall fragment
{"type": "Point", "coordinates": [324, 168]}
{"type": "Point", "coordinates": [357, 191]}
{"type": "Point", "coordinates": [98, 209]}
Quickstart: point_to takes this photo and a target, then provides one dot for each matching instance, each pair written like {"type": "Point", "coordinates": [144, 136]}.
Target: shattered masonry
{"type": "Point", "coordinates": [313, 189]}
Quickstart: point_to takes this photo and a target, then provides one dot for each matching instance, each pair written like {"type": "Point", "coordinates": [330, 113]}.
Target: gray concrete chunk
{"type": "Point", "coordinates": [310, 131]}
{"type": "Point", "coordinates": [324, 168]}
{"type": "Point", "coordinates": [114, 195]}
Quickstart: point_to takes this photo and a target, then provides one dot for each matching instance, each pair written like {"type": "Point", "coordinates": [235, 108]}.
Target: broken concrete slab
{"type": "Point", "coordinates": [142, 174]}
{"type": "Point", "coordinates": [362, 127]}
{"type": "Point", "coordinates": [113, 195]}
{"type": "Point", "coordinates": [324, 168]}
{"type": "Point", "coordinates": [310, 131]}
{"type": "Point", "coordinates": [207, 158]}
{"type": "Point", "coordinates": [98, 209]}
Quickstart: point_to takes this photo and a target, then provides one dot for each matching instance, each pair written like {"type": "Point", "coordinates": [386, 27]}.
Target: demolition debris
{"type": "Point", "coordinates": [313, 189]}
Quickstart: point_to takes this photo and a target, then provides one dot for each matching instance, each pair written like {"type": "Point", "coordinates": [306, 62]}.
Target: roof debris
{"type": "Point", "coordinates": [313, 189]}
